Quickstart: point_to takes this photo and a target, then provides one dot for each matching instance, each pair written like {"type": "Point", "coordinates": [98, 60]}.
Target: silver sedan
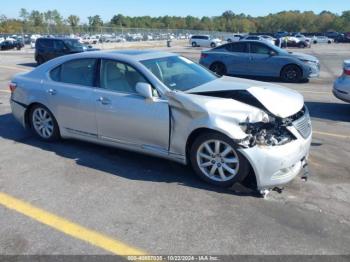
{"type": "Point", "coordinates": [341, 87]}
{"type": "Point", "coordinates": [168, 106]}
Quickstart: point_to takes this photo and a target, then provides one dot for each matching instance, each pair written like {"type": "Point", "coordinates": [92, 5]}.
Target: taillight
{"type": "Point", "coordinates": [204, 55]}
{"type": "Point", "coordinates": [347, 72]}
{"type": "Point", "coordinates": [12, 86]}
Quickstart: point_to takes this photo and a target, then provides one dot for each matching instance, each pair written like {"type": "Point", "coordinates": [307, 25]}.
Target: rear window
{"type": "Point", "coordinates": [78, 72]}
{"type": "Point", "coordinates": [237, 47]}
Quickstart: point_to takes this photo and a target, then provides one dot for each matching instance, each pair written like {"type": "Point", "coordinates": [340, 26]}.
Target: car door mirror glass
{"type": "Point", "coordinates": [144, 90]}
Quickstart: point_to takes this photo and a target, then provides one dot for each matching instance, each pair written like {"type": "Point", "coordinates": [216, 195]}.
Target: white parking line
{"type": "Point", "coordinates": [15, 68]}
{"type": "Point", "coordinates": [5, 91]}
{"type": "Point", "coordinates": [331, 134]}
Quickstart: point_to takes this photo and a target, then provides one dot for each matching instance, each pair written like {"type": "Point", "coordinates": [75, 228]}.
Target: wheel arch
{"type": "Point", "coordinates": [292, 64]}
{"type": "Point", "coordinates": [251, 179]}
{"type": "Point", "coordinates": [28, 111]}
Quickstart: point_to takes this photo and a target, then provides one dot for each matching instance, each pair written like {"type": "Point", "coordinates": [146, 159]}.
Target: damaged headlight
{"type": "Point", "coordinates": [270, 131]}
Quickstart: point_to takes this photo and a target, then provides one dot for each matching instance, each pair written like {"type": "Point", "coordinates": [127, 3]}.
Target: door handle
{"type": "Point", "coordinates": [52, 91]}
{"type": "Point", "coordinates": [104, 101]}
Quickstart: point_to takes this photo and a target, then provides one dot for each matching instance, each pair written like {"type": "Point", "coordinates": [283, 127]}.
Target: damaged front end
{"type": "Point", "coordinates": [272, 131]}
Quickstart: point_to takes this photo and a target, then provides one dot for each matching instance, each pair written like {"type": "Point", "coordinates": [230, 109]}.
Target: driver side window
{"type": "Point", "coordinates": [119, 77]}
{"type": "Point", "coordinates": [258, 48]}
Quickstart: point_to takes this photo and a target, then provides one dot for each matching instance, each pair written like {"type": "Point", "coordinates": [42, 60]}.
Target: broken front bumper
{"type": "Point", "coordinates": [277, 165]}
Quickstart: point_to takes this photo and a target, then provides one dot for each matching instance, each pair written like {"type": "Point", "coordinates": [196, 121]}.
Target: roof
{"type": "Point", "coordinates": [132, 54]}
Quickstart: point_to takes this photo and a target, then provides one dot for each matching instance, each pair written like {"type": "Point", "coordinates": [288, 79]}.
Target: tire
{"type": "Point", "coordinates": [43, 123]}
{"type": "Point", "coordinates": [218, 68]}
{"type": "Point", "coordinates": [40, 60]}
{"type": "Point", "coordinates": [229, 40]}
{"type": "Point", "coordinates": [291, 74]}
{"type": "Point", "coordinates": [226, 169]}
{"type": "Point", "coordinates": [212, 45]}
{"type": "Point", "coordinates": [302, 45]}
{"type": "Point", "coordinates": [329, 42]}
{"type": "Point", "coordinates": [315, 42]}
{"type": "Point", "coordinates": [194, 44]}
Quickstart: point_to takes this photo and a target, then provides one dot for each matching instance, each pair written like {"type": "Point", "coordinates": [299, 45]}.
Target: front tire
{"type": "Point", "coordinates": [291, 74]}
{"type": "Point", "coordinates": [212, 45]}
{"type": "Point", "coordinates": [44, 123]}
{"type": "Point", "coordinates": [194, 44]}
{"type": "Point", "coordinates": [218, 68]}
{"type": "Point", "coordinates": [216, 160]}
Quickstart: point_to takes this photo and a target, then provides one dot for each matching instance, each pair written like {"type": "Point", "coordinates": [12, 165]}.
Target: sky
{"type": "Point", "coordinates": [107, 8]}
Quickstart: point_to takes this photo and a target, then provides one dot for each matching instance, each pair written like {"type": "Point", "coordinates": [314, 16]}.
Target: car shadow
{"type": "Point", "coordinates": [329, 111]}
{"type": "Point", "coordinates": [117, 162]}
{"type": "Point", "coordinates": [28, 64]}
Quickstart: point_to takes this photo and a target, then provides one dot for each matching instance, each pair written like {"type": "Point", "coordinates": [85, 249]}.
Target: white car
{"type": "Point", "coordinates": [341, 88]}
{"type": "Point", "coordinates": [322, 40]}
{"type": "Point", "coordinates": [204, 41]}
{"type": "Point", "coordinates": [234, 38]}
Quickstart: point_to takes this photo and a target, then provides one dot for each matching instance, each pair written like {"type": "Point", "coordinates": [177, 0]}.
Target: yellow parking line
{"type": "Point", "coordinates": [14, 68]}
{"type": "Point", "coordinates": [68, 227]}
{"type": "Point", "coordinates": [5, 91]}
{"type": "Point", "coordinates": [331, 134]}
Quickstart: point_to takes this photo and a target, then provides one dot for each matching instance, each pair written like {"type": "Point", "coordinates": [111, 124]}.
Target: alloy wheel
{"type": "Point", "coordinates": [217, 160]}
{"type": "Point", "coordinates": [43, 122]}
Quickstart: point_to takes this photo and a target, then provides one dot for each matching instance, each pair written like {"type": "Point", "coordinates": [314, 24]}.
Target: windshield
{"type": "Point", "coordinates": [73, 44]}
{"type": "Point", "coordinates": [178, 73]}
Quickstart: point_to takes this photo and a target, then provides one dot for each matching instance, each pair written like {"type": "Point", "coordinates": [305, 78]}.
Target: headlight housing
{"type": "Point", "coordinates": [270, 131]}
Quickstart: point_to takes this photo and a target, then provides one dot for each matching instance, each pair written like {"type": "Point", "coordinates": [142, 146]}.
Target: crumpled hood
{"type": "Point", "coordinates": [304, 57]}
{"type": "Point", "coordinates": [278, 100]}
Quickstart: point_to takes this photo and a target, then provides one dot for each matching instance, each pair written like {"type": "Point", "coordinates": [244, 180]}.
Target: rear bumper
{"type": "Point", "coordinates": [18, 111]}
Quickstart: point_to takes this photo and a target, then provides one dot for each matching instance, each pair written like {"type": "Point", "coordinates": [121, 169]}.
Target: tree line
{"type": "Point", "coordinates": [52, 21]}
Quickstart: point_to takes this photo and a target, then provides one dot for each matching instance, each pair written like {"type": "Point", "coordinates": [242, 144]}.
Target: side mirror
{"type": "Point", "coordinates": [144, 90]}
{"type": "Point", "coordinates": [272, 53]}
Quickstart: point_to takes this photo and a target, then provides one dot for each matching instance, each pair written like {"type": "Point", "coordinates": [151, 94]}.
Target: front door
{"type": "Point", "coordinates": [125, 117]}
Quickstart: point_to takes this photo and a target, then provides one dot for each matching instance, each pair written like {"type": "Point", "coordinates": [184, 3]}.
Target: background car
{"type": "Point", "coordinates": [204, 41]}
{"type": "Point", "coordinates": [49, 48]}
{"type": "Point", "coordinates": [298, 41]}
{"type": "Point", "coordinates": [234, 38]}
{"type": "Point", "coordinates": [322, 40]}
{"type": "Point", "coordinates": [259, 58]}
{"type": "Point", "coordinates": [266, 38]}
{"type": "Point", "coordinates": [341, 87]}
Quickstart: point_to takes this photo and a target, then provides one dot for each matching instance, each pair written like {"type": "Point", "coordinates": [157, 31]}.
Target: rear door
{"type": "Point", "coordinates": [237, 58]}
{"type": "Point", "coordinates": [70, 95]}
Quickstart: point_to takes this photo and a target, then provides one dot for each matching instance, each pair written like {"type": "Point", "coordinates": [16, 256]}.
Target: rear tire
{"type": "Point", "coordinates": [44, 123]}
{"type": "Point", "coordinates": [218, 68]}
{"type": "Point", "coordinates": [221, 164]}
{"type": "Point", "coordinates": [40, 60]}
{"type": "Point", "coordinates": [212, 45]}
{"type": "Point", "coordinates": [291, 74]}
